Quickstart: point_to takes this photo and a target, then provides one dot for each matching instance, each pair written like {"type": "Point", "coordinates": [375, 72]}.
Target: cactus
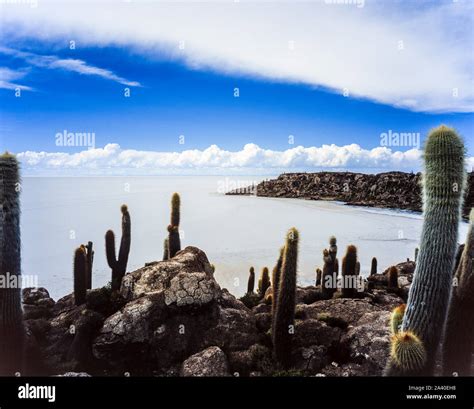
{"type": "Point", "coordinates": [286, 304]}
{"type": "Point", "coordinates": [349, 272]}
{"type": "Point", "coordinates": [119, 266]}
{"type": "Point", "coordinates": [174, 242]}
{"type": "Point", "coordinates": [392, 277]}
{"type": "Point", "coordinates": [319, 275]}
{"type": "Point", "coordinates": [251, 281]}
{"type": "Point", "coordinates": [396, 318]}
{"type": "Point", "coordinates": [459, 332]}
{"type": "Point", "coordinates": [417, 250]}
{"type": "Point", "coordinates": [165, 249]}
{"type": "Point", "coordinates": [357, 269]}
{"type": "Point", "coordinates": [276, 275]}
{"type": "Point", "coordinates": [373, 266]}
{"type": "Point", "coordinates": [333, 248]}
{"type": "Point", "coordinates": [443, 185]}
{"type": "Point", "coordinates": [11, 315]}
{"type": "Point", "coordinates": [407, 355]}
{"type": "Point", "coordinates": [80, 275]}
{"type": "Point", "coordinates": [328, 286]}
{"type": "Point", "coordinates": [264, 282]}
{"type": "Point", "coordinates": [90, 262]}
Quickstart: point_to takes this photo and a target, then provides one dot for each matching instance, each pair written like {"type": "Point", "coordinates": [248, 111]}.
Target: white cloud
{"type": "Point", "coordinates": [7, 76]}
{"type": "Point", "coordinates": [113, 160]}
{"type": "Point", "coordinates": [68, 64]}
{"type": "Point", "coordinates": [398, 53]}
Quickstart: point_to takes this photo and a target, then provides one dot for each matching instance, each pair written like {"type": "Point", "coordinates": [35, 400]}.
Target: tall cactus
{"type": "Point", "coordinates": [80, 275]}
{"type": "Point", "coordinates": [392, 277]}
{"type": "Point", "coordinates": [443, 185]}
{"type": "Point", "coordinates": [90, 262]}
{"type": "Point", "coordinates": [276, 275]}
{"type": "Point", "coordinates": [11, 316]}
{"type": "Point", "coordinates": [251, 281]}
{"type": "Point", "coordinates": [286, 304]}
{"type": "Point", "coordinates": [459, 333]}
{"type": "Point", "coordinates": [119, 266]}
{"type": "Point", "coordinates": [174, 242]}
{"type": "Point", "coordinates": [349, 272]}
{"type": "Point", "coordinates": [328, 282]}
{"type": "Point", "coordinates": [264, 282]}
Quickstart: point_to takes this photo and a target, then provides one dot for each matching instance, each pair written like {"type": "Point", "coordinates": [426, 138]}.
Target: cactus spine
{"type": "Point", "coordinates": [285, 309]}
{"type": "Point", "coordinates": [251, 281]}
{"type": "Point", "coordinates": [264, 282]}
{"type": "Point", "coordinates": [459, 332]}
{"type": "Point", "coordinates": [373, 266]}
{"type": "Point", "coordinates": [80, 275]}
{"type": "Point", "coordinates": [443, 185]}
{"type": "Point", "coordinates": [174, 242]}
{"type": "Point", "coordinates": [119, 266]}
{"type": "Point", "coordinates": [349, 272]}
{"type": "Point", "coordinates": [11, 315]}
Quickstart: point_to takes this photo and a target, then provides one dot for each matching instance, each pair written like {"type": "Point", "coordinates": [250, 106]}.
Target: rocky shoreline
{"type": "Point", "coordinates": [395, 190]}
{"type": "Point", "coordinates": [171, 318]}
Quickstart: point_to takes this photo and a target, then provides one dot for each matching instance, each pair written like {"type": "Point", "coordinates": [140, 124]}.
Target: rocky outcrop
{"type": "Point", "coordinates": [397, 190]}
{"type": "Point", "coordinates": [171, 318]}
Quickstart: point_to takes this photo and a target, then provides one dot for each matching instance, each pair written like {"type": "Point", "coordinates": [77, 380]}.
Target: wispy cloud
{"type": "Point", "coordinates": [112, 160]}
{"type": "Point", "coordinates": [8, 78]}
{"type": "Point", "coordinates": [397, 53]}
{"type": "Point", "coordinates": [68, 64]}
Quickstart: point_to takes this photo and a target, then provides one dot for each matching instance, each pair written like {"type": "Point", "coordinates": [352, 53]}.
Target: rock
{"type": "Point", "coordinates": [33, 295]}
{"type": "Point", "coordinates": [262, 308]}
{"type": "Point", "coordinates": [158, 276]}
{"type": "Point", "coordinates": [263, 321]}
{"type": "Point", "coordinates": [369, 341]}
{"type": "Point", "coordinates": [310, 359]}
{"type": "Point", "coordinates": [75, 375]}
{"type": "Point", "coordinates": [31, 311]}
{"type": "Point", "coordinates": [308, 295]}
{"type": "Point", "coordinates": [191, 289]}
{"type": "Point", "coordinates": [210, 362]}
{"type": "Point", "coordinates": [314, 332]}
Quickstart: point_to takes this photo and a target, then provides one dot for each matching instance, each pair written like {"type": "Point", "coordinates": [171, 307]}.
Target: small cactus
{"type": "Point", "coordinates": [286, 304]}
{"type": "Point", "coordinates": [80, 275]}
{"type": "Point", "coordinates": [119, 266]}
{"type": "Point", "coordinates": [174, 241]}
{"type": "Point", "coordinates": [319, 275]}
{"type": "Point", "coordinates": [393, 277]}
{"type": "Point", "coordinates": [396, 318]}
{"type": "Point", "coordinates": [373, 266]}
{"type": "Point", "coordinates": [264, 282]}
{"type": "Point", "coordinates": [407, 353]}
{"type": "Point", "coordinates": [11, 316]}
{"type": "Point", "coordinates": [328, 287]}
{"type": "Point", "coordinates": [90, 262]}
{"type": "Point", "coordinates": [333, 248]}
{"type": "Point", "coordinates": [166, 251]}
{"type": "Point", "coordinates": [251, 281]}
{"type": "Point", "coordinates": [349, 272]}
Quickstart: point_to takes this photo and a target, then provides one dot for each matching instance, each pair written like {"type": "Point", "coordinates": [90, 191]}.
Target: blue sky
{"type": "Point", "coordinates": [190, 91]}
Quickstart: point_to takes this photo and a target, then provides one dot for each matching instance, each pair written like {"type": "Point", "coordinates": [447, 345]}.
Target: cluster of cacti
{"type": "Point", "coordinates": [423, 322]}
{"type": "Point", "coordinates": [264, 282]}
{"type": "Point", "coordinates": [251, 281]}
{"type": "Point", "coordinates": [459, 332]}
{"type": "Point", "coordinates": [174, 242]}
{"type": "Point", "coordinates": [11, 315]}
{"type": "Point", "coordinates": [350, 271]}
{"type": "Point", "coordinates": [80, 275]}
{"type": "Point", "coordinates": [283, 322]}
{"type": "Point", "coordinates": [119, 265]}
{"type": "Point", "coordinates": [392, 277]}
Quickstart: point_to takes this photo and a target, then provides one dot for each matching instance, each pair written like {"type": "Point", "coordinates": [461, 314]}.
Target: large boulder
{"type": "Point", "coordinates": [210, 362]}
